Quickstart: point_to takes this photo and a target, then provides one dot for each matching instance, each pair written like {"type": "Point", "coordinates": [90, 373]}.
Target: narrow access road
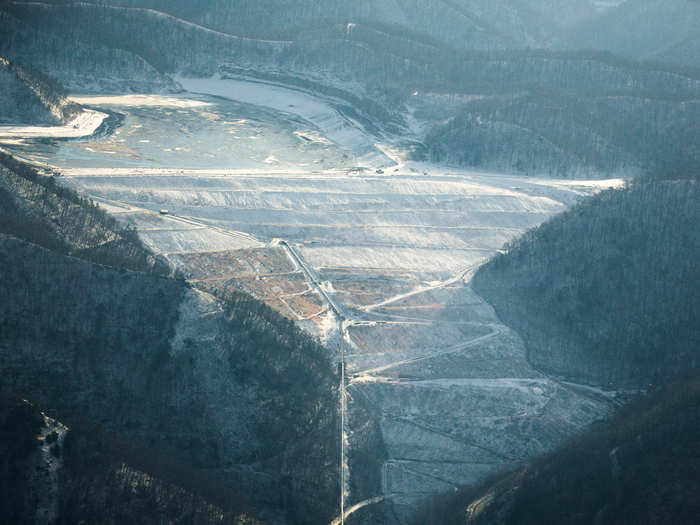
{"type": "Point", "coordinates": [460, 276]}
{"type": "Point", "coordinates": [340, 519]}
{"type": "Point", "coordinates": [369, 373]}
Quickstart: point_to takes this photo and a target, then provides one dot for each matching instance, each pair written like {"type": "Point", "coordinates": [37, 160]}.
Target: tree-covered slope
{"type": "Point", "coordinates": [570, 133]}
{"type": "Point", "coordinates": [74, 61]}
{"type": "Point", "coordinates": [640, 468]}
{"type": "Point", "coordinates": [91, 329]}
{"type": "Point", "coordinates": [51, 473]}
{"type": "Point", "coordinates": [20, 424]}
{"type": "Point", "coordinates": [31, 97]}
{"type": "Point", "coordinates": [475, 24]}
{"type": "Point", "coordinates": [606, 293]}
{"type": "Point", "coordinates": [20, 104]}
{"type": "Point", "coordinates": [36, 209]}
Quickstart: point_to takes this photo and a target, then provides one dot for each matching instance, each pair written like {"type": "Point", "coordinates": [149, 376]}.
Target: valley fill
{"type": "Point", "coordinates": [386, 267]}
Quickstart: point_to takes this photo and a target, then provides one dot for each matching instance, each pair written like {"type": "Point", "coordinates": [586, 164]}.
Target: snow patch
{"type": "Point", "coordinates": [328, 326]}
{"type": "Point", "coordinates": [139, 101]}
{"type": "Point", "coordinates": [311, 137]}
{"type": "Point", "coordinates": [49, 462]}
{"type": "Point", "coordinates": [85, 124]}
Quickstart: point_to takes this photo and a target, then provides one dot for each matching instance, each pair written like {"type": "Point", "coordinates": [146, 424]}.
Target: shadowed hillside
{"type": "Point", "coordinates": [38, 210]}
{"type": "Point", "coordinates": [637, 469]}
{"type": "Point", "coordinates": [98, 478]}
{"type": "Point", "coordinates": [227, 388]}
{"type": "Point", "coordinates": [606, 293]}
{"type": "Point", "coordinates": [30, 96]}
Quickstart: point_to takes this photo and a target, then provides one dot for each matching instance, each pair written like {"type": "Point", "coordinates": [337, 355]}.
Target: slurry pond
{"type": "Point", "coordinates": [188, 132]}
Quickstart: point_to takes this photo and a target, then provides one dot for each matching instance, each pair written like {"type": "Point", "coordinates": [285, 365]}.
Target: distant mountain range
{"type": "Point", "coordinates": [663, 30]}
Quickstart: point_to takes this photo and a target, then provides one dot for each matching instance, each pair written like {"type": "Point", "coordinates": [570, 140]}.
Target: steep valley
{"type": "Point", "coordinates": [640, 465]}
{"type": "Point", "coordinates": [375, 260]}
{"type": "Point", "coordinates": [321, 261]}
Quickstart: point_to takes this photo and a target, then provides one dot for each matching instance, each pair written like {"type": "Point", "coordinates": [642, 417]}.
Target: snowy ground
{"type": "Point", "coordinates": [139, 101]}
{"type": "Point", "coordinates": [391, 253]}
{"type": "Point", "coordinates": [85, 124]}
{"type": "Point", "coordinates": [190, 132]}
{"type": "Point", "coordinates": [44, 479]}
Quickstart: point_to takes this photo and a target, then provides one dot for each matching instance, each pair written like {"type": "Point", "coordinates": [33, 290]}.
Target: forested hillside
{"type": "Point", "coordinates": [378, 54]}
{"type": "Point", "coordinates": [570, 133]}
{"type": "Point", "coordinates": [640, 468]}
{"type": "Point", "coordinates": [227, 388]}
{"type": "Point", "coordinates": [474, 24]}
{"type": "Point", "coordinates": [22, 104]}
{"type": "Point", "coordinates": [75, 62]}
{"type": "Point", "coordinates": [38, 210]}
{"type": "Point", "coordinates": [98, 478]}
{"type": "Point", "coordinates": [31, 97]}
{"type": "Point", "coordinates": [606, 293]}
